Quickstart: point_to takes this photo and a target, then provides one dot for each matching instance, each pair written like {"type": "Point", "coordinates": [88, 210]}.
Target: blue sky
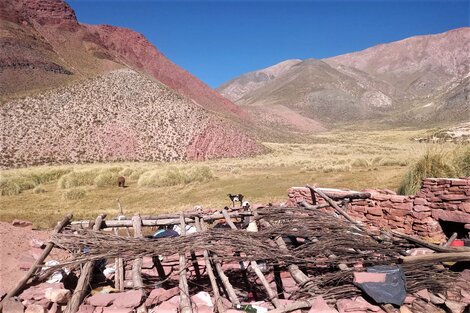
{"type": "Point", "coordinates": [219, 40]}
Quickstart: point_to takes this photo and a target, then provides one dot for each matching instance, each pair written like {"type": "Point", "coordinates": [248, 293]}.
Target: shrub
{"type": "Point", "coordinates": [74, 194]}
{"type": "Point", "coordinates": [432, 164]}
{"type": "Point", "coordinates": [39, 189]}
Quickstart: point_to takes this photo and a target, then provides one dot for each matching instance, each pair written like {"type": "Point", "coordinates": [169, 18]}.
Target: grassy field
{"type": "Point", "coordinates": [339, 159]}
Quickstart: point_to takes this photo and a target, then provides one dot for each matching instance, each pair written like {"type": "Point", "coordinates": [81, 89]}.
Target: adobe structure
{"type": "Point", "coordinates": [440, 208]}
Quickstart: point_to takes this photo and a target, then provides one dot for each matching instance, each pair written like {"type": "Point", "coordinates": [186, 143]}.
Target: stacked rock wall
{"type": "Point", "coordinates": [439, 200]}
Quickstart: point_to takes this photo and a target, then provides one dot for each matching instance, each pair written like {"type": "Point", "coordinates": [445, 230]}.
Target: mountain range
{"type": "Point", "coordinates": [418, 81]}
{"type": "Point", "coordinates": [73, 92]}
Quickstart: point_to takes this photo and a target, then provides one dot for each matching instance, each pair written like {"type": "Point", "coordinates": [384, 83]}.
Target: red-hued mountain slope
{"type": "Point", "coordinates": [71, 92]}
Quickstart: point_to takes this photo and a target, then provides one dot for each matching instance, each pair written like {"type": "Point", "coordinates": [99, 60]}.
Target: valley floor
{"type": "Point", "coordinates": [339, 159]}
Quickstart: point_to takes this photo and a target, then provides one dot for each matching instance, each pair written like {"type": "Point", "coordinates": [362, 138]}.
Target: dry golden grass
{"type": "Point", "coordinates": [339, 159]}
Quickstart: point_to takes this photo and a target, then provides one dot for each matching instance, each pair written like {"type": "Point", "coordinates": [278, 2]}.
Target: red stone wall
{"type": "Point", "coordinates": [440, 199]}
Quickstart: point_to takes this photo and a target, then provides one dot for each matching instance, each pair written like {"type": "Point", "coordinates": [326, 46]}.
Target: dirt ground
{"type": "Point", "coordinates": [15, 246]}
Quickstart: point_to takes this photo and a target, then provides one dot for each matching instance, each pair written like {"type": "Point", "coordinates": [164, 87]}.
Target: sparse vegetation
{"type": "Point", "coordinates": [354, 160]}
{"type": "Point", "coordinates": [436, 163]}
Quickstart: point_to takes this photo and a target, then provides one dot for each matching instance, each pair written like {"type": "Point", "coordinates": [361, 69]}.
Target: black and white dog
{"type": "Point", "coordinates": [235, 198]}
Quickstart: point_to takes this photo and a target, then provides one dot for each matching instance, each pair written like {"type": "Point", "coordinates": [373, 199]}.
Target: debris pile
{"type": "Point", "coordinates": [304, 258]}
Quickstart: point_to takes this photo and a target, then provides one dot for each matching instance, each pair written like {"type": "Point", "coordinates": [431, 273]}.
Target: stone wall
{"type": "Point", "coordinates": [439, 200]}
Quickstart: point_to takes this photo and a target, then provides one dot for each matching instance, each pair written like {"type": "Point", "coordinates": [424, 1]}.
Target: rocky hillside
{"type": "Point", "coordinates": [420, 80]}
{"type": "Point", "coordinates": [73, 92]}
{"type": "Point", "coordinates": [121, 115]}
{"type": "Point", "coordinates": [43, 45]}
{"type": "Point", "coordinates": [418, 65]}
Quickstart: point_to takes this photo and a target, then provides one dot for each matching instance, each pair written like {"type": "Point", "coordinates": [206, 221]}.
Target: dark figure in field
{"type": "Point", "coordinates": [121, 181]}
{"type": "Point", "coordinates": [235, 198]}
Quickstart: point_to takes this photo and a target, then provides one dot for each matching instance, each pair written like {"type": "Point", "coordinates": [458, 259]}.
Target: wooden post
{"type": "Point", "coordinates": [272, 295]}
{"type": "Point", "coordinates": [195, 265]}
{"type": "Point", "coordinates": [85, 277]}
{"type": "Point", "coordinates": [185, 300]}
{"type": "Point", "coordinates": [120, 272]}
{"type": "Point", "coordinates": [35, 267]}
{"type": "Point", "coordinates": [210, 272]}
{"type": "Point", "coordinates": [137, 264]}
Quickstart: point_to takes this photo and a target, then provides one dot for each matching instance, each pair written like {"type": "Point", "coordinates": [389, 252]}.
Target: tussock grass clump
{"type": "Point", "coordinates": [77, 178]}
{"type": "Point", "coordinates": [431, 164]}
{"type": "Point", "coordinates": [107, 178]}
{"type": "Point", "coordinates": [173, 176]}
{"type": "Point", "coordinates": [74, 194]}
{"type": "Point", "coordinates": [39, 189]}
{"type": "Point", "coordinates": [462, 161]}
{"type": "Point", "coordinates": [8, 187]}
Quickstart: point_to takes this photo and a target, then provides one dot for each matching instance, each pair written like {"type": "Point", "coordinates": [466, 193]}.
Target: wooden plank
{"type": "Point", "coordinates": [36, 266]}
{"type": "Point", "coordinates": [137, 264]}
{"type": "Point", "coordinates": [210, 272]}
{"type": "Point", "coordinates": [83, 283]}
{"type": "Point", "coordinates": [185, 300]}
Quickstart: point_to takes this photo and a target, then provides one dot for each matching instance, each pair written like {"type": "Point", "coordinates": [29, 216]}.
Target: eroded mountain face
{"type": "Point", "coordinates": [72, 92]}
{"type": "Point", "coordinates": [418, 80]}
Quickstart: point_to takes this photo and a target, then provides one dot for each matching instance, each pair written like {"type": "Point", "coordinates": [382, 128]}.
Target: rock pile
{"type": "Point", "coordinates": [439, 200]}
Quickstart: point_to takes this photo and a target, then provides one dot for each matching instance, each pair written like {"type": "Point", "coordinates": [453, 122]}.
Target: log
{"type": "Point", "coordinates": [210, 272]}
{"type": "Point", "coordinates": [137, 264]}
{"type": "Point", "coordinates": [185, 300]}
{"type": "Point", "coordinates": [344, 195]}
{"type": "Point", "coordinates": [85, 277]}
{"type": "Point", "coordinates": [35, 267]}
{"type": "Point", "coordinates": [272, 295]}
{"type": "Point", "coordinates": [337, 208]}
{"type": "Point", "coordinates": [437, 258]}
{"type": "Point", "coordinates": [426, 244]}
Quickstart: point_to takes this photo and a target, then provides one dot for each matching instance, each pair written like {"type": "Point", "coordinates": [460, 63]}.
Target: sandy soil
{"type": "Point", "coordinates": [14, 245]}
